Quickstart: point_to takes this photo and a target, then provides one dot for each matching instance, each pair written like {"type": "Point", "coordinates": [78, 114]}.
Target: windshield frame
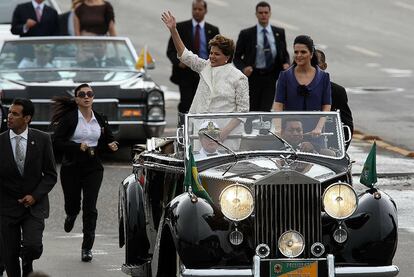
{"type": "Point", "coordinates": [54, 40]}
{"type": "Point", "coordinates": [338, 125]}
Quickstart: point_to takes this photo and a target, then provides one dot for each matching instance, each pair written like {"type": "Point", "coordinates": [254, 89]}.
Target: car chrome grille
{"type": "Point", "coordinates": [283, 207]}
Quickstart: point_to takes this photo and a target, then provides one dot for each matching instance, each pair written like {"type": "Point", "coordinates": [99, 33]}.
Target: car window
{"type": "Point", "coordinates": [268, 132]}
{"type": "Point", "coordinates": [7, 8]}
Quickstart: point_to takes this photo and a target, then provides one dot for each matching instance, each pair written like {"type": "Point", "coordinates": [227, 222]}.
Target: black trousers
{"type": "Point", "coordinates": [83, 179]}
{"type": "Point", "coordinates": [262, 90]}
{"type": "Point", "coordinates": [22, 237]}
{"type": "Point", "coordinates": [188, 86]}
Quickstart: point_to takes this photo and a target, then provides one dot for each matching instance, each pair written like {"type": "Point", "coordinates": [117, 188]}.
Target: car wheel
{"type": "Point", "coordinates": [131, 242]}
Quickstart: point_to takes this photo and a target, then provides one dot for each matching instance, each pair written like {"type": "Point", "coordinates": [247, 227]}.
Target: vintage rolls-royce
{"type": "Point", "coordinates": [253, 194]}
{"type": "Point", "coordinates": [40, 68]}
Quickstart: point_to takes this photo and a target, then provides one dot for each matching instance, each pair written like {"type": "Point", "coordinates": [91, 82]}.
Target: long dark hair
{"type": "Point", "coordinates": [62, 105]}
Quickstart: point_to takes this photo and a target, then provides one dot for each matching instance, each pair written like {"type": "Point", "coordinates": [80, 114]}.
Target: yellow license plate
{"type": "Point", "coordinates": [293, 269]}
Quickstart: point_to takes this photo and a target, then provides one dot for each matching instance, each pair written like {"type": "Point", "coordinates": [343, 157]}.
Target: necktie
{"type": "Point", "coordinates": [267, 50]}
{"type": "Point", "coordinates": [197, 39]}
{"type": "Point", "coordinates": [19, 155]}
{"type": "Point", "coordinates": [38, 13]}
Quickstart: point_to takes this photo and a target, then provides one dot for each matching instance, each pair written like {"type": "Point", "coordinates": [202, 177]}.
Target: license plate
{"type": "Point", "coordinates": [293, 268]}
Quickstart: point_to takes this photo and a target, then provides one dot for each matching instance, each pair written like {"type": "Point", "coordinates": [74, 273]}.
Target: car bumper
{"type": "Point", "coordinates": [364, 271]}
{"type": "Point", "coordinates": [136, 130]}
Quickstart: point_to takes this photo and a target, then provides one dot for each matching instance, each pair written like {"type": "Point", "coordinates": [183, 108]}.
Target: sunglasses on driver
{"type": "Point", "coordinates": [83, 94]}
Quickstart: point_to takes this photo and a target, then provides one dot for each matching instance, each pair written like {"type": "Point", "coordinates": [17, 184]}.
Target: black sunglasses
{"type": "Point", "coordinates": [83, 94]}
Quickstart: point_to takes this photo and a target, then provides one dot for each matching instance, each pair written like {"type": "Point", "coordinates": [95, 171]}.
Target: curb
{"type": "Point", "coordinates": [358, 135]}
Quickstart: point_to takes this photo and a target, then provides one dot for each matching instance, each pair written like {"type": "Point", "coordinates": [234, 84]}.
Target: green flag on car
{"type": "Point", "coordinates": [192, 180]}
{"type": "Point", "coordinates": [369, 172]}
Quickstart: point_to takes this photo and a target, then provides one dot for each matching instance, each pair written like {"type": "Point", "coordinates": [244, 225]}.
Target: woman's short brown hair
{"type": "Point", "coordinates": [226, 45]}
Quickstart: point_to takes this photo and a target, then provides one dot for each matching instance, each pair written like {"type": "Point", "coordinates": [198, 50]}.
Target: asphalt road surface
{"type": "Point", "coordinates": [368, 47]}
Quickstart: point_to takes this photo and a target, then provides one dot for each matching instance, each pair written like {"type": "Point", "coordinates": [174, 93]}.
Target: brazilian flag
{"type": "Point", "coordinates": [193, 180]}
{"type": "Point", "coordinates": [369, 172]}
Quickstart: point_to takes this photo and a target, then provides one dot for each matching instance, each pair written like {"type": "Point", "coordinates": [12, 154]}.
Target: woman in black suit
{"type": "Point", "coordinates": [80, 134]}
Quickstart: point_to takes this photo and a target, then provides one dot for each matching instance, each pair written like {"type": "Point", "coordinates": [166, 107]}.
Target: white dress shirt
{"type": "Point", "coordinates": [87, 132]}
{"type": "Point", "coordinates": [260, 56]}
{"type": "Point", "coordinates": [23, 141]}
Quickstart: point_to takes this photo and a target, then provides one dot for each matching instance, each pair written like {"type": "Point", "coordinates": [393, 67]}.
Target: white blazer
{"type": "Point", "coordinates": [221, 88]}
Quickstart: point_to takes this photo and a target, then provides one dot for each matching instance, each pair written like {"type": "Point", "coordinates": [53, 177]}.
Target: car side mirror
{"type": "Point", "coordinates": [347, 130]}
{"type": "Point", "coordinates": [180, 136]}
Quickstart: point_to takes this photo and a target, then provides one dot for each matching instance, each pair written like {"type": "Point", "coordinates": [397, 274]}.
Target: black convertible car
{"type": "Point", "coordinates": [270, 199]}
{"type": "Point", "coordinates": [40, 68]}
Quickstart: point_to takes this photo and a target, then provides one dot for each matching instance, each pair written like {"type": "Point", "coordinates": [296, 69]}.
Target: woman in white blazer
{"type": "Point", "coordinates": [222, 87]}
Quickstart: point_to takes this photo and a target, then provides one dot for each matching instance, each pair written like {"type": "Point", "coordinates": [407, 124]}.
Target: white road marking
{"type": "Point", "coordinates": [363, 51]}
{"type": "Point", "coordinates": [321, 46]}
{"type": "Point", "coordinates": [398, 73]}
{"type": "Point", "coordinates": [372, 90]}
{"type": "Point", "coordinates": [284, 25]}
{"type": "Point", "coordinates": [218, 3]}
{"type": "Point", "coordinates": [404, 5]}
{"type": "Point", "coordinates": [372, 65]}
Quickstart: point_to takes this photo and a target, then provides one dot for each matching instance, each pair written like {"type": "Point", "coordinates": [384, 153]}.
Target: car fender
{"type": "Point", "coordinates": [372, 229]}
{"type": "Point", "coordinates": [191, 220]}
{"type": "Point", "coordinates": [132, 218]}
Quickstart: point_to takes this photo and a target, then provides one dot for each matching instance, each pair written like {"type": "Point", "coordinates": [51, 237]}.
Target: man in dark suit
{"type": "Point", "coordinates": [261, 54]}
{"type": "Point", "coordinates": [195, 33]}
{"type": "Point", "coordinates": [100, 58]}
{"type": "Point", "coordinates": [339, 99]}
{"type": "Point", "coordinates": [35, 19]}
{"type": "Point", "coordinates": [27, 174]}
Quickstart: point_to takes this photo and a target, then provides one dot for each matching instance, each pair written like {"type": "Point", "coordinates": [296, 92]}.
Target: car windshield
{"type": "Point", "coordinates": [63, 54]}
{"type": "Point", "coordinates": [286, 132]}
{"type": "Point", "coordinates": [7, 8]}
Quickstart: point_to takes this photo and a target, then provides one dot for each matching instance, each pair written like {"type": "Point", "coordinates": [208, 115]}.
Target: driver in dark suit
{"type": "Point", "coordinates": [27, 175]}
{"type": "Point", "coordinates": [100, 58]}
{"type": "Point", "coordinates": [34, 18]}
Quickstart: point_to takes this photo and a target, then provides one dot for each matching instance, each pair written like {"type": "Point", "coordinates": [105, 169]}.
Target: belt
{"type": "Point", "coordinates": [264, 71]}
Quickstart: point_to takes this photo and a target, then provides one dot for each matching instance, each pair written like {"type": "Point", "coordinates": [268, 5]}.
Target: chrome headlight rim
{"type": "Point", "coordinates": [279, 242]}
{"type": "Point", "coordinates": [348, 186]}
{"type": "Point", "coordinates": [159, 101]}
{"type": "Point", "coordinates": [226, 214]}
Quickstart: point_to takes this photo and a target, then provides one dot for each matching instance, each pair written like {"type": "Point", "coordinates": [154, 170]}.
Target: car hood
{"type": "Point", "coordinates": [249, 171]}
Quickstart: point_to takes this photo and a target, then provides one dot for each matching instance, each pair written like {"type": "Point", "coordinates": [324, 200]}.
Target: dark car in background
{"type": "Point", "coordinates": [275, 207]}
{"type": "Point", "coordinates": [43, 67]}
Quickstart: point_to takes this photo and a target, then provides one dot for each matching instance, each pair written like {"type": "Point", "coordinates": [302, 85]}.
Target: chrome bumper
{"type": "Point", "coordinates": [365, 271]}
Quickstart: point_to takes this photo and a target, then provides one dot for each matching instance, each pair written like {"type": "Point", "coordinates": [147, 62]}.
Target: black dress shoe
{"type": "Point", "coordinates": [86, 255]}
{"type": "Point", "coordinates": [27, 267]}
{"type": "Point", "coordinates": [69, 222]}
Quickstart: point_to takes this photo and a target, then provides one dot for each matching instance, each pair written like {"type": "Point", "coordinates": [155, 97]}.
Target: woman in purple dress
{"type": "Point", "coordinates": [304, 86]}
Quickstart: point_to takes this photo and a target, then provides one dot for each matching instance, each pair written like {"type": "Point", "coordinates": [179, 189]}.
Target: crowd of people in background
{"type": "Point", "coordinates": [213, 73]}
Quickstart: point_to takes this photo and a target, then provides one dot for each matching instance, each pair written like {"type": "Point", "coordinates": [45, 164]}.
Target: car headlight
{"type": "Point", "coordinates": [155, 114]}
{"type": "Point", "coordinates": [340, 200]}
{"type": "Point", "coordinates": [291, 244]}
{"type": "Point", "coordinates": [155, 98]}
{"type": "Point", "coordinates": [236, 202]}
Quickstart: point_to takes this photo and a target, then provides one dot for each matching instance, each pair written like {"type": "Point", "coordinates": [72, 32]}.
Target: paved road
{"type": "Point", "coordinates": [367, 45]}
